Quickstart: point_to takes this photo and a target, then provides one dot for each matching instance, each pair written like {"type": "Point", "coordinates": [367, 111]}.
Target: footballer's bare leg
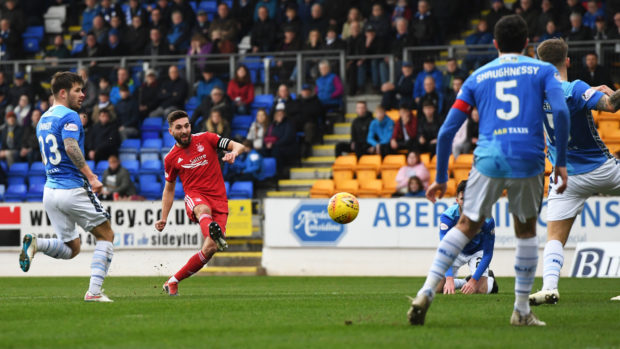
{"type": "Point", "coordinates": [526, 260]}
{"type": "Point", "coordinates": [553, 260]}
{"type": "Point", "coordinates": [102, 257]}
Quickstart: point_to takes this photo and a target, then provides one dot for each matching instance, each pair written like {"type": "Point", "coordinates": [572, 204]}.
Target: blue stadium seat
{"type": "Point", "coordinates": [242, 121]}
{"type": "Point", "coordinates": [149, 157]}
{"type": "Point", "coordinates": [152, 145]}
{"type": "Point", "coordinates": [262, 101]}
{"type": "Point", "coordinates": [239, 132]}
{"type": "Point", "coordinates": [77, 48]}
{"type": "Point", "coordinates": [210, 7]}
{"type": "Point", "coordinates": [268, 169]}
{"type": "Point", "coordinates": [192, 103]}
{"type": "Point", "coordinates": [15, 180]}
{"type": "Point", "coordinates": [18, 169]}
{"type": "Point", "coordinates": [150, 135]}
{"type": "Point", "coordinates": [194, 5]}
{"type": "Point", "coordinates": [15, 193]}
{"type": "Point", "coordinates": [152, 124]}
{"type": "Point", "coordinates": [227, 186]}
{"type": "Point", "coordinates": [91, 164]}
{"type": "Point", "coordinates": [130, 145]}
{"type": "Point", "coordinates": [151, 167]}
{"type": "Point", "coordinates": [101, 166]}
{"type": "Point", "coordinates": [36, 179]}
{"type": "Point", "coordinates": [30, 45]}
{"type": "Point", "coordinates": [241, 190]}
{"type": "Point", "coordinates": [151, 190]}
{"type": "Point", "coordinates": [147, 178]}
{"type": "Point", "coordinates": [35, 192]}
{"type": "Point", "coordinates": [168, 141]}
{"type": "Point", "coordinates": [133, 166]}
{"type": "Point", "coordinates": [127, 156]}
{"type": "Point", "coordinates": [35, 31]}
{"type": "Point", "coordinates": [178, 190]}
{"type": "Point", "coordinates": [4, 166]}
{"type": "Point", "coordinates": [36, 169]}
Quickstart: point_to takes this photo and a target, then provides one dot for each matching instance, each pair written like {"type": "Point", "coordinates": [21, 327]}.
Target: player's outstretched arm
{"type": "Point", "coordinates": [75, 154]}
{"type": "Point", "coordinates": [610, 102]}
{"type": "Point", "coordinates": [166, 204]}
{"type": "Point", "coordinates": [234, 149]}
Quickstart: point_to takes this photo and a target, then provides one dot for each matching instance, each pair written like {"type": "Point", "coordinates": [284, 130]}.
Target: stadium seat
{"type": "Point", "coordinates": [370, 188]}
{"type": "Point", "coordinates": [227, 187]}
{"type": "Point", "coordinates": [262, 101]}
{"type": "Point", "coordinates": [18, 169]}
{"type": "Point", "coordinates": [194, 5]}
{"type": "Point", "coordinates": [345, 162]}
{"type": "Point", "coordinates": [168, 141]}
{"type": "Point", "coordinates": [451, 188]}
{"type": "Point", "coordinates": [78, 46]}
{"type": "Point", "coordinates": [150, 135]}
{"type": "Point", "coordinates": [350, 186]}
{"type": "Point", "coordinates": [239, 133]}
{"type": "Point", "coordinates": [148, 157]}
{"type": "Point", "coordinates": [35, 192]}
{"type": "Point", "coordinates": [394, 162]}
{"type": "Point", "coordinates": [31, 45]}
{"type": "Point", "coordinates": [366, 175]}
{"type": "Point", "coordinates": [151, 167]}
{"type": "Point", "coordinates": [130, 145]}
{"type": "Point", "coordinates": [459, 175]}
{"type": "Point", "coordinates": [242, 121]}
{"type": "Point", "coordinates": [14, 180]}
{"type": "Point", "coordinates": [241, 190]}
{"type": "Point", "coordinates": [342, 175]}
{"type": "Point", "coordinates": [133, 166]}
{"type": "Point", "coordinates": [91, 164]}
{"type": "Point", "coordinates": [4, 166]}
{"type": "Point", "coordinates": [322, 188]}
{"type": "Point", "coordinates": [152, 145]}
{"type": "Point", "coordinates": [388, 177]}
{"type": "Point", "coordinates": [101, 166]}
{"type": "Point", "coordinates": [151, 190]}
{"type": "Point", "coordinates": [37, 179]}
{"type": "Point", "coordinates": [268, 169]}
{"type": "Point", "coordinates": [425, 158]}
{"type": "Point", "coordinates": [36, 169]}
{"type": "Point", "coordinates": [178, 190]}
{"type": "Point", "coordinates": [15, 193]}
{"type": "Point", "coordinates": [369, 162]}
{"type": "Point", "coordinates": [127, 156]}
{"type": "Point", "coordinates": [152, 124]}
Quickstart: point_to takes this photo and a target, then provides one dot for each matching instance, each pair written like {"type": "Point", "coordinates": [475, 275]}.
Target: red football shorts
{"type": "Point", "coordinates": [219, 209]}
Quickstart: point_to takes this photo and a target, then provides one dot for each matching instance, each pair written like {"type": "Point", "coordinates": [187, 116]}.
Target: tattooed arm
{"type": "Point", "coordinates": [610, 102]}
{"type": "Point", "coordinates": [75, 154]}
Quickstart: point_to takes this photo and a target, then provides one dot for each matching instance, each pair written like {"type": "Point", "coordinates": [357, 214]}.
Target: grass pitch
{"type": "Point", "coordinates": [294, 312]}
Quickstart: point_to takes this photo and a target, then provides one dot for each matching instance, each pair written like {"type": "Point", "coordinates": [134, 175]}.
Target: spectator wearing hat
{"type": "Point", "coordinates": [208, 83]}
{"type": "Point", "coordinates": [380, 133]}
{"type": "Point", "coordinates": [103, 104]}
{"type": "Point", "coordinates": [128, 114]}
{"type": "Point", "coordinates": [59, 51]}
{"type": "Point", "coordinates": [600, 29]}
{"type": "Point", "coordinates": [227, 26]}
{"type": "Point", "coordinates": [11, 138]}
{"type": "Point", "coordinates": [104, 137]}
{"type": "Point", "coordinates": [290, 43]}
{"type": "Point", "coordinates": [424, 25]}
{"type": "Point", "coordinates": [136, 36]}
{"type": "Point", "coordinates": [428, 128]}
{"type": "Point", "coordinates": [400, 93]}
{"type": "Point", "coordinates": [218, 99]}
{"type": "Point", "coordinates": [179, 33]}
{"type": "Point", "coordinates": [10, 41]}
{"type": "Point", "coordinates": [497, 11]}
{"type": "Point", "coordinates": [217, 124]}
{"type": "Point", "coordinates": [264, 31]}
{"type": "Point", "coordinates": [241, 90]}
{"type": "Point", "coordinates": [172, 93]}
{"type": "Point", "coordinates": [29, 151]}
{"type": "Point", "coordinates": [592, 13]}
{"type": "Point", "coordinates": [157, 45]}
{"type": "Point", "coordinates": [280, 140]}
{"type": "Point", "coordinates": [20, 87]}
{"type": "Point", "coordinates": [328, 87]}
{"type": "Point", "coordinates": [116, 180]}
{"type": "Point", "coordinates": [202, 23]}
{"type": "Point", "coordinates": [429, 69]}
{"type": "Point", "coordinates": [355, 46]}
{"type": "Point", "coordinates": [309, 118]}
{"type": "Point", "coordinates": [147, 95]}
{"type": "Point", "coordinates": [405, 134]}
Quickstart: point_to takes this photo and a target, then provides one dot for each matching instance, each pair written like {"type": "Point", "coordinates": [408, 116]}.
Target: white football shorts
{"type": "Point", "coordinates": [66, 207]}
{"type": "Point", "coordinates": [472, 261]}
{"type": "Point", "coordinates": [524, 195]}
{"type": "Point", "coordinates": [603, 180]}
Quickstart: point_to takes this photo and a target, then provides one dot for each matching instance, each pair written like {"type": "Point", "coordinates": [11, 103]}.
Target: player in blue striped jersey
{"type": "Point", "coordinates": [69, 196]}
{"type": "Point", "coordinates": [509, 93]}
{"type": "Point", "coordinates": [477, 254]}
{"type": "Point", "coordinates": [591, 167]}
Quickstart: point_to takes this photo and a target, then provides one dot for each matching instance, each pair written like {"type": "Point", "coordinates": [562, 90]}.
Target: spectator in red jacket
{"type": "Point", "coordinates": [241, 91]}
{"type": "Point", "coordinates": [405, 131]}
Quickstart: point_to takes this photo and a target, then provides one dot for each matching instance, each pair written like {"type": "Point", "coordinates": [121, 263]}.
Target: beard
{"type": "Point", "coordinates": [75, 104]}
{"type": "Point", "coordinates": [183, 143]}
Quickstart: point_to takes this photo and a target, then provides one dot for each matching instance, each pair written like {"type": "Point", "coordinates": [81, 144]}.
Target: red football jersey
{"type": "Point", "coordinates": [198, 165]}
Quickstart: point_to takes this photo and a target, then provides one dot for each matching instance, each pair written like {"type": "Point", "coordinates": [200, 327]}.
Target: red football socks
{"type": "Point", "coordinates": [193, 265]}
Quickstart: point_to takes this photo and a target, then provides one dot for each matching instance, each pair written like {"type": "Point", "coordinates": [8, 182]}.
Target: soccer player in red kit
{"type": "Point", "coordinates": [194, 159]}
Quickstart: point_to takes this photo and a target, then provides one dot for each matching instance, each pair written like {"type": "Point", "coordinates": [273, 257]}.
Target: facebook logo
{"type": "Point", "coordinates": [128, 239]}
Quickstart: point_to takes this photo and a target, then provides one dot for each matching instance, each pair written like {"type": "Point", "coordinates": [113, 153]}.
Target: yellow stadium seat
{"type": "Point", "coordinates": [340, 175]}
{"type": "Point", "coordinates": [369, 162]}
{"type": "Point", "coordinates": [393, 114]}
{"type": "Point", "coordinates": [463, 161]}
{"type": "Point", "coordinates": [460, 174]}
{"type": "Point", "coordinates": [388, 177]}
{"type": "Point", "coordinates": [393, 162]}
{"type": "Point", "coordinates": [322, 188]}
{"type": "Point", "coordinates": [426, 159]}
{"type": "Point", "coordinates": [350, 186]}
{"type": "Point", "coordinates": [613, 146]}
{"type": "Point", "coordinates": [365, 175]}
{"type": "Point", "coordinates": [345, 162]}
{"type": "Point", "coordinates": [548, 167]}
{"type": "Point", "coordinates": [451, 188]}
{"type": "Point", "coordinates": [370, 188]}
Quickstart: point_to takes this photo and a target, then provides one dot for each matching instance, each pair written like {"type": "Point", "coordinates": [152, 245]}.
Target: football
{"type": "Point", "coordinates": [343, 208]}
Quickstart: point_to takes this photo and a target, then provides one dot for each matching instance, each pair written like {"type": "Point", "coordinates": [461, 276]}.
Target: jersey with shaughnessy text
{"type": "Point", "coordinates": [586, 151]}
{"type": "Point", "coordinates": [197, 165]}
{"type": "Point", "coordinates": [509, 93]}
{"type": "Point", "coordinates": [56, 125]}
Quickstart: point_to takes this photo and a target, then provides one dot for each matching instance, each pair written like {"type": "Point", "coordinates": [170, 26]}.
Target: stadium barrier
{"type": "Point", "coordinates": [399, 237]}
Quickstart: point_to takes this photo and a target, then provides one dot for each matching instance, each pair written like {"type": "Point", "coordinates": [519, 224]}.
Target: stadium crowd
{"type": "Point", "coordinates": [119, 101]}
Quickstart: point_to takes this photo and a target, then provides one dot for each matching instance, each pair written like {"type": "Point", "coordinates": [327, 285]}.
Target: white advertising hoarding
{"type": "Point", "coordinates": [597, 259]}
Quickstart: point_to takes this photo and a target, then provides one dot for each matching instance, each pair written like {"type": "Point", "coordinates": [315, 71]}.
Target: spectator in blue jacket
{"type": "Point", "coordinates": [122, 78]}
{"type": "Point", "coordinates": [380, 132]}
{"type": "Point", "coordinates": [328, 87]}
{"type": "Point", "coordinates": [208, 82]}
{"type": "Point", "coordinates": [179, 33]}
{"type": "Point", "coordinates": [589, 18]}
{"type": "Point", "coordinates": [248, 165]}
{"type": "Point", "coordinates": [477, 57]}
{"type": "Point", "coordinates": [88, 15]}
{"type": "Point", "coordinates": [429, 69]}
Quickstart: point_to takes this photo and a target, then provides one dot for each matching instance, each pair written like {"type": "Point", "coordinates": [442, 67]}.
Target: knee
{"type": "Point", "coordinates": [209, 249]}
{"type": "Point", "coordinates": [202, 209]}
